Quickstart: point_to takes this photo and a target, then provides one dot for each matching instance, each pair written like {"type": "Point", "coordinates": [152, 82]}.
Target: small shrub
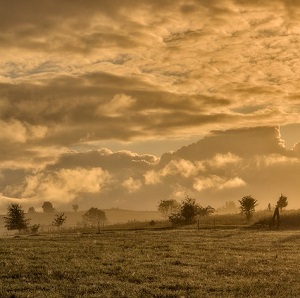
{"type": "Point", "coordinates": [152, 223]}
{"type": "Point", "coordinates": [34, 228]}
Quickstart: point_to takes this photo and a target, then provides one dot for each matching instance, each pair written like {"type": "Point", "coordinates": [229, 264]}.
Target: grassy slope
{"type": "Point", "coordinates": [174, 263]}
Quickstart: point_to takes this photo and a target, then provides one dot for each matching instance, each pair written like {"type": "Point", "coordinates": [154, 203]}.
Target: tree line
{"type": "Point", "coordinates": [184, 213]}
{"type": "Point", "coordinates": [16, 219]}
{"type": "Point", "coordinates": [49, 208]}
{"type": "Point", "coordinates": [188, 211]}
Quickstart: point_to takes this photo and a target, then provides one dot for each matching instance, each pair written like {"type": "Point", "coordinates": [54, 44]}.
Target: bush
{"type": "Point", "coordinates": [34, 228]}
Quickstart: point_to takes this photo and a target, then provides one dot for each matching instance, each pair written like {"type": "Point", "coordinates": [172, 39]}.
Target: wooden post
{"type": "Point", "coordinates": [276, 218]}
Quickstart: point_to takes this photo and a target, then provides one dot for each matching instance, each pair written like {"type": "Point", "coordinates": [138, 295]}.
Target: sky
{"type": "Point", "coordinates": [122, 103]}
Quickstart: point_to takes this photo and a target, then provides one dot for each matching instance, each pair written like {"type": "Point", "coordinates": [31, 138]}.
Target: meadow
{"type": "Point", "coordinates": [234, 262]}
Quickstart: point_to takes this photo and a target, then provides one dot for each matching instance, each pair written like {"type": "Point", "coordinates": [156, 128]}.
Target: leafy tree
{"type": "Point", "coordinates": [15, 219]}
{"type": "Point", "coordinates": [167, 207]}
{"type": "Point", "coordinates": [31, 210]}
{"type": "Point", "coordinates": [282, 202]}
{"type": "Point", "coordinates": [75, 207]}
{"type": "Point", "coordinates": [204, 211]}
{"type": "Point", "coordinates": [94, 216]}
{"type": "Point", "coordinates": [189, 211]}
{"type": "Point", "coordinates": [248, 204]}
{"type": "Point", "coordinates": [48, 207]}
{"type": "Point", "coordinates": [176, 218]}
{"type": "Point", "coordinates": [59, 220]}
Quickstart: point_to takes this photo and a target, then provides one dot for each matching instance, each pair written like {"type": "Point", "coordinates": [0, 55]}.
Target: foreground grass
{"type": "Point", "coordinates": [171, 263]}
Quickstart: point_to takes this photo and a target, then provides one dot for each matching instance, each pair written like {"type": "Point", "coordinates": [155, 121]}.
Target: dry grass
{"type": "Point", "coordinates": [171, 263]}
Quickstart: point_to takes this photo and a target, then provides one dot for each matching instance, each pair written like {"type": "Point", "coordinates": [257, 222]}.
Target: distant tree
{"type": "Point", "coordinates": [59, 220]}
{"type": "Point", "coordinates": [229, 207]}
{"type": "Point", "coordinates": [167, 207]}
{"type": "Point", "coordinates": [94, 216]}
{"type": "Point", "coordinates": [31, 210]}
{"type": "Point", "coordinates": [248, 204]}
{"type": "Point", "coordinates": [282, 202]}
{"type": "Point", "coordinates": [75, 207]}
{"type": "Point", "coordinates": [15, 219]}
{"type": "Point", "coordinates": [48, 207]}
{"type": "Point", "coordinates": [269, 208]}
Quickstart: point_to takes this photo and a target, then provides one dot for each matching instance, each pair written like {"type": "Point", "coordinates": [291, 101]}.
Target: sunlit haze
{"type": "Point", "coordinates": [126, 103]}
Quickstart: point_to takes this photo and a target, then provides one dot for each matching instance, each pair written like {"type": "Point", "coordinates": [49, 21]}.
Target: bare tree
{"type": "Point", "coordinates": [59, 220]}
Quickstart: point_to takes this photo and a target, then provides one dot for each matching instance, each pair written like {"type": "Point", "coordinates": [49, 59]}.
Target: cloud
{"type": "Point", "coordinates": [132, 185]}
{"type": "Point", "coordinates": [152, 177]}
{"type": "Point", "coordinates": [165, 87]}
{"type": "Point", "coordinates": [117, 106]}
{"type": "Point", "coordinates": [276, 159]}
{"type": "Point", "coordinates": [17, 132]}
{"type": "Point", "coordinates": [74, 75]}
{"type": "Point", "coordinates": [13, 131]}
{"type": "Point", "coordinates": [217, 183]}
{"type": "Point", "coordinates": [66, 184]}
{"type": "Point", "coordinates": [123, 161]}
{"type": "Point", "coordinates": [182, 168]}
{"type": "Point", "coordinates": [224, 165]}
{"type": "Point", "coordinates": [236, 142]}
{"type": "Point", "coordinates": [223, 160]}
{"type": "Point", "coordinates": [5, 201]}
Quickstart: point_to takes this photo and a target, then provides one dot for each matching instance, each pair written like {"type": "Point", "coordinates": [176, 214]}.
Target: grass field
{"type": "Point", "coordinates": [168, 263]}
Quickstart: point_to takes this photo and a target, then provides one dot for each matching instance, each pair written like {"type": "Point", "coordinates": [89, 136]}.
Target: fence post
{"type": "Point", "coordinates": [98, 227]}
